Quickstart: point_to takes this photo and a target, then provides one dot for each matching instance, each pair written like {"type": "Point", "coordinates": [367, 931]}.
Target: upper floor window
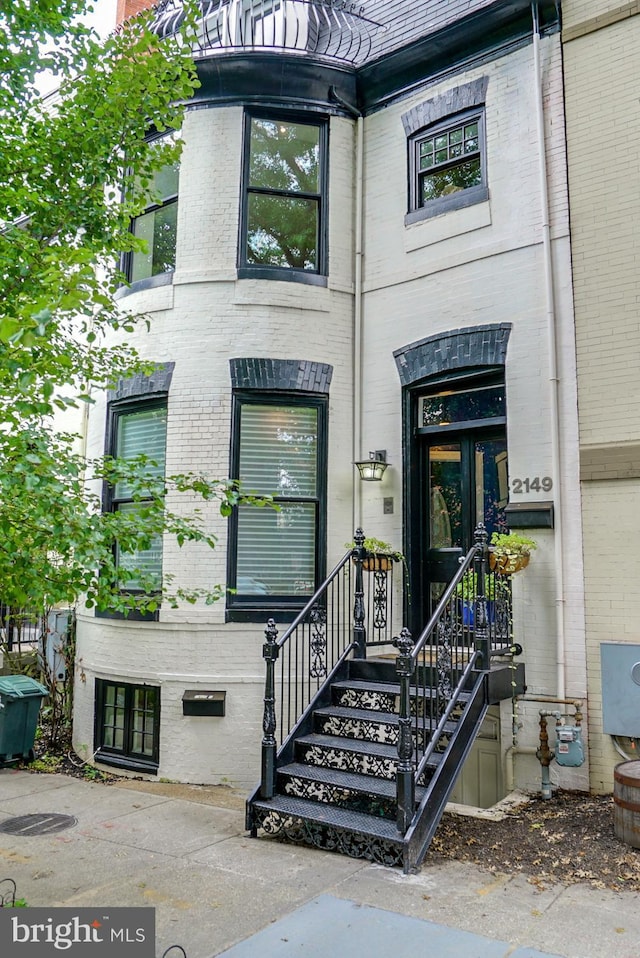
{"type": "Point", "coordinates": [447, 164]}
{"type": "Point", "coordinates": [283, 227]}
{"type": "Point", "coordinates": [157, 226]}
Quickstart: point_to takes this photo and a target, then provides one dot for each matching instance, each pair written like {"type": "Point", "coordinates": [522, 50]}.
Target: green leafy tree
{"type": "Point", "coordinates": [75, 167]}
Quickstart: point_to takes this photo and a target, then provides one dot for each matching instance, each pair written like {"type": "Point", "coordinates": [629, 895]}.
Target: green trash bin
{"type": "Point", "coordinates": [20, 701]}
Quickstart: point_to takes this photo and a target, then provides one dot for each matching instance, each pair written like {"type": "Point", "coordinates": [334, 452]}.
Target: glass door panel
{"type": "Point", "coordinates": [445, 496]}
{"type": "Point", "coordinates": [491, 483]}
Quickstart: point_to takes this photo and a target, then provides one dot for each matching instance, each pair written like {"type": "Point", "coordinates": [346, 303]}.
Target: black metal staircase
{"type": "Point", "coordinates": [367, 764]}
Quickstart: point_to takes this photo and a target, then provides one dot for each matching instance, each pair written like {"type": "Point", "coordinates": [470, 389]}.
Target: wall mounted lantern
{"type": "Point", "coordinates": [372, 469]}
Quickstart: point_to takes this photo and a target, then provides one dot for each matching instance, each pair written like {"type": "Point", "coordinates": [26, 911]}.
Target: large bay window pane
{"type": "Point", "coordinates": [157, 226]}
{"type": "Point", "coordinates": [279, 450]}
{"type": "Point", "coordinates": [276, 550]}
{"type": "Point", "coordinates": [141, 432]}
{"type": "Point", "coordinates": [283, 195]}
{"type": "Point", "coordinates": [278, 454]}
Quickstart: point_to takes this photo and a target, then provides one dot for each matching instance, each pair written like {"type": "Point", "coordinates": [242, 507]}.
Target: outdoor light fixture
{"type": "Point", "coordinates": [372, 469]}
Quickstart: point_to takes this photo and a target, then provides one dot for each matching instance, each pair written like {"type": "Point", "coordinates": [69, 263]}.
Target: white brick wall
{"type": "Point", "coordinates": [205, 318]}
{"type": "Point", "coordinates": [470, 267]}
{"type": "Point", "coordinates": [478, 266]}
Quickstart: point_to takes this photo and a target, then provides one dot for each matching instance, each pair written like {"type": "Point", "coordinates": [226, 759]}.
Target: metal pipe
{"type": "Point", "coordinates": [577, 704]}
{"type": "Point", "coordinates": [545, 755]}
{"type": "Point", "coordinates": [553, 361]}
{"type": "Point", "coordinates": [356, 360]}
{"type": "Point", "coordinates": [358, 321]}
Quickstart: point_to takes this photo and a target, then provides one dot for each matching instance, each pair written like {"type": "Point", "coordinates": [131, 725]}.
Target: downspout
{"type": "Point", "coordinates": [553, 361]}
{"type": "Point", "coordinates": [357, 322]}
{"type": "Point", "coordinates": [356, 449]}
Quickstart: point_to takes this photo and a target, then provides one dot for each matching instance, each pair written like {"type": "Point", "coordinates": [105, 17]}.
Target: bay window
{"type": "Point", "coordinates": [279, 450]}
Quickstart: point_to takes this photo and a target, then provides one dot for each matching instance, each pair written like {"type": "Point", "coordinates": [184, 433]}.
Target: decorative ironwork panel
{"type": "Point", "coordinates": [379, 599]}
{"type": "Point", "coordinates": [330, 838]}
{"type": "Point", "coordinates": [359, 762]}
{"type": "Point", "coordinates": [369, 699]}
{"type": "Point", "coordinates": [318, 622]}
{"type": "Point", "coordinates": [330, 794]}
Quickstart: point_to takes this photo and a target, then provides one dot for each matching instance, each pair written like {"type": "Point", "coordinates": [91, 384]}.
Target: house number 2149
{"type": "Point", "coordinates": [518, 486]}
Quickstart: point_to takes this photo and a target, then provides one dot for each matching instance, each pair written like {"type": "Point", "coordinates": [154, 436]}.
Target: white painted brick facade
{"type": "Point", "coordinates": [470, 267]}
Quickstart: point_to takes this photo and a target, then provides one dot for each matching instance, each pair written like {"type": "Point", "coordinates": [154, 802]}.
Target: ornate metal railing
{"type": "Point", "coordinates": [471, 623]}
{"type": "Point", "coordinates": [329, 28]}
{"type": "Point", "coordinates": [351, 611]}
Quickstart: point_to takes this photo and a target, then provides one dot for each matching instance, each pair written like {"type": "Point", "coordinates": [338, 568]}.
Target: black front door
{"type": "Point", "coordinates": [456, 470]}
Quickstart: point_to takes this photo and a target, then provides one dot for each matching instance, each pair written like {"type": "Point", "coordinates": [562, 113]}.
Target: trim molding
{"type": "Point", "coordinates": [608, 461]}
{"type": "Point", "coordinates": [149, 385]}
{"type": "Point", "coordinates": [603, 20]}
{"type": "Point", "coordinates": [283, 374]}
{"type": "Point", "coordinates": [474, 346]}
{"type": "Point", "coordinates": [456, 100]}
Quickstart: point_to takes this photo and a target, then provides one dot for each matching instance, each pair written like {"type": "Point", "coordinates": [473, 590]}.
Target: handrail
{"type": "Point", "coordinates": [313, 600]}
{"type": "Point", "coordinates": [331, 627]}
{"type": "Point", "coordinates": [434, 672]}
{"type": "Point", "coordinates": [438, 731]}
{"type": "Point", "coordinates": [443, 603]}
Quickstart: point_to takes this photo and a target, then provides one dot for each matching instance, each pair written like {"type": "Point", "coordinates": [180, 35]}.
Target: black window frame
{"type": "Point", "coordinates": [462, 198]}
{"type": "Point", "coordinates": [117, 410]}
{"type": "Point", "coordinates": [125, 757]}
{"type": "Point", "coordinates": [255, 608]}
{"type": "Point", "coordinates": [164, 277]}
{"type": "Point", "coordinates": [247, 270]}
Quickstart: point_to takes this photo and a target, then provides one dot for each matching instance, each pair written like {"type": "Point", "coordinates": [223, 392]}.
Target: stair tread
{"type": "Point", "coordinates": [392, 688]}
{"type": "Point", "coordinates": [382, 787]}
{"type": "Point", "coordinates": [371, 715]}
{"type": "Point", "coordinates": [332, 815]}
{"type": "Point", "coordinates": [356, 745]}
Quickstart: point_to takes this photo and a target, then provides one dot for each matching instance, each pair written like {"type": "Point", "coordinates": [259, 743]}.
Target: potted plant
{"type": "Point", "coordinates": [510, 552]}
{"type": "Point", "coordinates": [380, 555]}
{"type": "Point", "coordinates": [467, 592]}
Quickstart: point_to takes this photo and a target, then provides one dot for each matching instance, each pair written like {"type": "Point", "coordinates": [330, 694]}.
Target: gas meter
{"type": "Point", "coordinates": [569, 748]}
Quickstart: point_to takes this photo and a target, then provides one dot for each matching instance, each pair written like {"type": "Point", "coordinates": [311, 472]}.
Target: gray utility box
{"type": "Point", "coordinates": [20, 701]}
{"type": "Point", "coordinates": [620, 688]}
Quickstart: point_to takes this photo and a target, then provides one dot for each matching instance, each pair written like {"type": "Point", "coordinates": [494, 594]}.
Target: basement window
{"type": "Point", "coordinates": [127, 725]}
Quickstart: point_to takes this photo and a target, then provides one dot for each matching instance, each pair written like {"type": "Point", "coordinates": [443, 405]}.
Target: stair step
{"type": "Point", "coordinates": [369, 725]}
{"type": "Point", "coordinates": [351, 781]}
{"type": "Point", "coordinates": [371, 759]}
{"type": "Point", "coordinates": [372, 695]}
{"type": "Point", "coordinates": [390, 688]}
{"type": "Point", "coordinates": [338, 818]}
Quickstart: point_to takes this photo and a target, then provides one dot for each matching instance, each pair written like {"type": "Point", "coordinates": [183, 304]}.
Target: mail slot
{"type": "Point", "coordinates": [203, 702]}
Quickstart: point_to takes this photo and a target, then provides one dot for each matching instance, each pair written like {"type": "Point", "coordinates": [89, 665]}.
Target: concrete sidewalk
{"type": "Point", "coordinates": [183, 850]}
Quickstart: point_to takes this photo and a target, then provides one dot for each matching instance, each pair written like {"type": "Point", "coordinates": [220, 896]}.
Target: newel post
{"type": "Point", "coordinates": [480, 617]}
{"type": "Point", "coordinates": [359, 631]}
{"type": "Point", "coordinates": [270, 653]}
{"type": "Point", "coordinates": [405, 778]}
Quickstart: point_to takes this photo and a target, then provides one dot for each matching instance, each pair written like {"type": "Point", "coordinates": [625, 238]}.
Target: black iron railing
{"type": "Point", "coordinates": [354, 610]}
{"type": "Point", "coordinates": [351, 611]}
{"type": "Point", "coordinates": [438, 672]}
{"type": "Point", "coordinates": [328, 28]}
